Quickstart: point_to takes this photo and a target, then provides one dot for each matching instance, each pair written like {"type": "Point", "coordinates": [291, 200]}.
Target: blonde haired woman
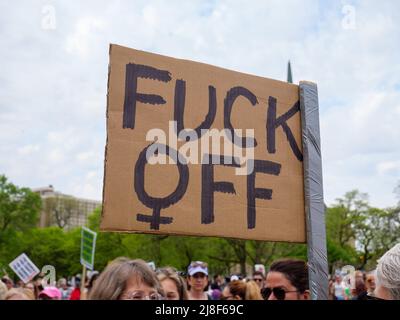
{"type": "Point", "coordinates": [240, 290]}
{"type": "Point", "coordinates": [173, 285]}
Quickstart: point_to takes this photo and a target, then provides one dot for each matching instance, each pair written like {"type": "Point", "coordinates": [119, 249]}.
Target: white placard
{"type": "Point", "coordinates": [24, 268]}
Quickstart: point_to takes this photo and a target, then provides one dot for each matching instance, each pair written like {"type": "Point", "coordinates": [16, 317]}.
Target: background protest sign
{"type": "Point", "coordinates": [24, 268]}
{"type": "Point", "coordinates": [260, 268]}
{"type": "Point", "coordinates": [146, 92]}
{"type": "Point", "coordinates": [88, 246]}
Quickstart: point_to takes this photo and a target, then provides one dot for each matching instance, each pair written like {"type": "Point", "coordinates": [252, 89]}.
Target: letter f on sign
{"type": "Point", "coordinates": [133, 72]}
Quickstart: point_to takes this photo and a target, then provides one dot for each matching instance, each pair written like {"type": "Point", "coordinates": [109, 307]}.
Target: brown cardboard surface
{"type": "Point", "coordinates": [280, 218]}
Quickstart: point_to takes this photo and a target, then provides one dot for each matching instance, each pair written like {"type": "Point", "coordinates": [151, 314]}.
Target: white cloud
{"type": "Point", "coordinates": [389, 167]}
{"type": "Point", "coordinates": [28, 149]}
{"type": "Point", "coordinates": [86, 30]}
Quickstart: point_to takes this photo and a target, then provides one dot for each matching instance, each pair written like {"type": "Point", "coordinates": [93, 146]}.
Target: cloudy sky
{"type": "Point", "coordinates": [54, 65]}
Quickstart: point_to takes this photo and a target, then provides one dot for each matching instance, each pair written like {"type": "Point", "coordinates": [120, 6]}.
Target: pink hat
{"type": "Point", "coordinates": [51, 292]}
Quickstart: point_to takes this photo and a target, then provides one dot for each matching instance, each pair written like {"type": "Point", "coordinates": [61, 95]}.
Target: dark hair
{"type": "Point", "coordinates": [360, 287]}
{"type": "Point", "coordinates": [93, 278]}
{"type": "Point", "coordinates": [296, 271]}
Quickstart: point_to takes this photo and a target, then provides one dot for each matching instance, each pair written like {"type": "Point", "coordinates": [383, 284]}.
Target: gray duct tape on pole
{"type": "Point", "coordinates": [313, 192]}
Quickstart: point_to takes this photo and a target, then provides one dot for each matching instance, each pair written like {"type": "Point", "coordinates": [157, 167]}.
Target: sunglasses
{"type": "Point", "coordinates": [279, 293]}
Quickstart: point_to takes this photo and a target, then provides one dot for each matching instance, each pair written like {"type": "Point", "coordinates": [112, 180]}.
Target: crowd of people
{"type": "Point", "coordinates": [286, 279]}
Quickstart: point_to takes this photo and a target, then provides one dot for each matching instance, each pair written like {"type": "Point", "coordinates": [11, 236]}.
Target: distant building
{"type": "Point", "coordinates": [63, 210]}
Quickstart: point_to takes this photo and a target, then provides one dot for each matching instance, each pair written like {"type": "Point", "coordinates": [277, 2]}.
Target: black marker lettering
{"type": "Point", "coordinates": [179, 108]}
{"type": "Point", "coordinates": [231, 96]}
{"type": "Point", "coordinates": [274, 123]}
{"type": "Point", "coordinates": [254, 193]}
{"type": "Point", "coordinates": [158, 203]}
{"type": "Point", "coordinates": [209, 186]}
{"type": "Point", "coordinates": [133, 72]}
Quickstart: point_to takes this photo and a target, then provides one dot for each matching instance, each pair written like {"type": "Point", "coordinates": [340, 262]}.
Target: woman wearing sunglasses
{"type": "Point", "coordinates": [287, 280]}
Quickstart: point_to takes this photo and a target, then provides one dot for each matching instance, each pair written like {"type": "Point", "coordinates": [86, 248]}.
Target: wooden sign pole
{"type": "Point", "coordinates": [83, 281]}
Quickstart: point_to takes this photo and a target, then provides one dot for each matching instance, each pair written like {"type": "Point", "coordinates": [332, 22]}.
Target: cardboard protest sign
{"type": "Point", "coordinates": [194, 149]}
{"type": "Point", "coordinates": [24, 268]}
{"type": "Point", "coordinates": [88, 245]}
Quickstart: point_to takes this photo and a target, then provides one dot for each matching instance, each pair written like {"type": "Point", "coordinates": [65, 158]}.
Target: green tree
{"type": "Point", "coordinates": [19, 208]}
{"type": "Point", "coordinates": [397, 193]}
{"type": "Point", "coordinates": [377, 233]}
{"type": "Point", "coordinates": [359, 234]}
{"type": "Point", "coordinates": [109, 245]}
{"type": "Point", "coordinates": [46, 247]}
{"type": "Point", "coordinates": [60, 210]}
{"type": "Point", "coordinates": [344, 215]}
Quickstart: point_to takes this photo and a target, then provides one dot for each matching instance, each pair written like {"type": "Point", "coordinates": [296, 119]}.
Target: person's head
{"type": "Point", "coordinates": [241, 290]}
{"type": "Point", "coordinates": [388, 275]}
{"type": "Point", "coordinates": [258, 277]}
{"type": "Point", "coordinates": [50, 293]}
{"type": "Point", "coordinates": [198, 276]}
{"type": "Point", "coordinates": [287, 280]}
{"type": "Point", "coordinates": [126, 279]}
{"type": "Point", "coordinates": [216, 294]}
{"type": "Point", "coordinates": [38, 282]}
{"type": "Point", "coordinates": [218, 279]}
{"type": "Point", "coordinates": [30, 286]}
{"type": "Point", "coordinates": [370, 282]}
{"type": "Point", "coordinates": [19, 294]}
{"type": "Point", "coordinates": [359, 275]}
{"type": "Point", "coordinates": [3, 290]}
{"type": "Point", "coordinates": [77, 281]}
{"type": "Point", "coordinates": [95, 275]}
{"type": "Point", "coordinates": [62, 283]}
{"type": "Point", "coordinates": [8, 282]}
{"type": "Point", "coordinates": [173, 285]}
{"type": "Point", "coordinates": [253, 291]}
{"type": "Point", "coordinates": [234, 277]}
{"type": "Point", "coordinates": [359, 287]}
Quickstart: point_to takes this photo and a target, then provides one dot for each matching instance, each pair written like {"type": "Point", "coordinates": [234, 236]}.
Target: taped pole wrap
{"type": "Point", "coordinates": [313, 192]}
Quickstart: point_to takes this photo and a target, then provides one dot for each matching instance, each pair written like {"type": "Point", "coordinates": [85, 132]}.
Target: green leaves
{"type": "Point", "coordinates": [359, 234]}
{"type": "Point", "coordinates": [19, 208]}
